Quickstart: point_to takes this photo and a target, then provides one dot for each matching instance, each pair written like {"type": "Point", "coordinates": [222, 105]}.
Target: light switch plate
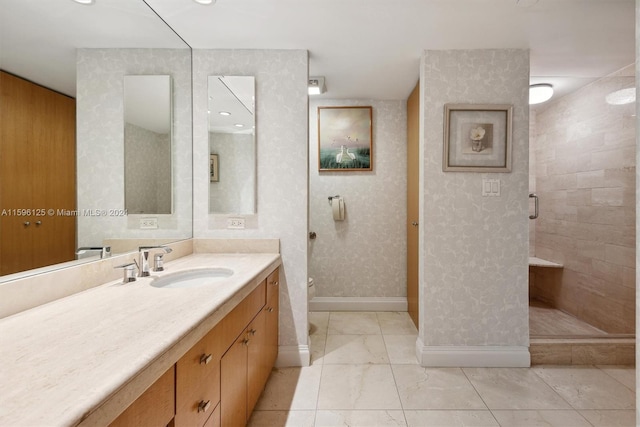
{"type": "Point", "coordinates": [490, 187]}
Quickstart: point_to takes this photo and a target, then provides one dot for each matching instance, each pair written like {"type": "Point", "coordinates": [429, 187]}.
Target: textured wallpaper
{"type": "Point", "coordinates": [147, 158]}
{"type": "Point", "coordinates": [365, 255]}
{"type": "Point", "coordinates": [281, 138]}
{"type": "Point", "coordinates": [474, 248]}
{"type": "Point", "coordinates": [100, 156]}
{"type": "Point", "coordinates": [235, 191]}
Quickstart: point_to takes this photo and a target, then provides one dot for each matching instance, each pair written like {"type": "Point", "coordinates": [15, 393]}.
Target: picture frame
{"type": "Point", "coordinates": [345, 138]}
{"type": "Point", "coordinates": [214, 170]}
{"type": "Point", "coordinates": [477, 137]}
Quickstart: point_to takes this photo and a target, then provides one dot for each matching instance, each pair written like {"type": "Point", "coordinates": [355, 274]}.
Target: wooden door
{"type": "Point", "coordinates": [233, 384]}
{"type": "Point", "coordinates": [37, 176]}
{"type": "Point", "coordinates": [413, 189]}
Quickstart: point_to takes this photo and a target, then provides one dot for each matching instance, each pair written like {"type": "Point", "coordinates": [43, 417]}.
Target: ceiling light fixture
{"type": "Point", "coordinates": [224, 113]}
{"type": "Point", "coordinates": [205, 2]}
{"type": "Point", "coordinates": [85, 2]}
{"type": "Point", "coordinates": [239, 125]}
{"type": "Point", "coordinates": [316, 86]}
{"type": "Point", "coordinates": [526, 3]}
{"type": "Point", "coordinates": [540, 93]}
{"type": "Point", "coordinates": [622, 96]}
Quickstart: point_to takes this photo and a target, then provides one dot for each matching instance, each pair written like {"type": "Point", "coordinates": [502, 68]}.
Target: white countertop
{"type": "Point", "coordinates": [83, 359]}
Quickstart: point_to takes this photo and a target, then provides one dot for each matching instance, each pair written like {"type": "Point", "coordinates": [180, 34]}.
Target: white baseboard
{"type": "Point", "coordinates": [473, 356]}
{"type": "Point", "coordinates": [293, 355]}
{"type": "Point", "coordinates": [358, 304]}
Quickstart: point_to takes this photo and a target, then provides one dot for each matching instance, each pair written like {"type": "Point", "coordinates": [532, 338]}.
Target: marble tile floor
{"type": "Point", "coordinates": [364, 373]}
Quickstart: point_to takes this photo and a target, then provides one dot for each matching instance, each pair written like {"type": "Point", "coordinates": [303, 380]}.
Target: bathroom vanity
{"type": "Point", "coordinates": [134, 354]}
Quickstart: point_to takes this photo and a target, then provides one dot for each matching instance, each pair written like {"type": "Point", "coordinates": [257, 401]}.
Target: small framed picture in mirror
{"type": "Point", "coordinates": [214, 171]}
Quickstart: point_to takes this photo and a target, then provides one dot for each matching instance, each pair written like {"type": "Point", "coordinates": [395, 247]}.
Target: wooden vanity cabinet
{"type": "Point", "coordinates": [246, 366]}
{"type": "Point", "coordinates": [219, 380]}
{"type": "Point", "coordinates": [155, 407]}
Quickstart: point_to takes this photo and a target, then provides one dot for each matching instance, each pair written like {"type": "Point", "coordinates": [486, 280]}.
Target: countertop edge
{"type": "Point", "coordinates": [110, 408]}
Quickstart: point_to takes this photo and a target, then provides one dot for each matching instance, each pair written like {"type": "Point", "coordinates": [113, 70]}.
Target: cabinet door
{"type": "Point", "coordinates": [257, 365]}
{"type": "Point", "coordinates": [272, 310]}
{"type": "Point", "coordinates": [233, 384]}
{"type": "Point", "coordinates": [37, 174]}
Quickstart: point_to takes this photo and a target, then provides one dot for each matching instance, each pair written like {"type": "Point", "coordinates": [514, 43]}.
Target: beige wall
{"type": "Point", "coordinates": [281, 133]}
{"type": "Point", "coordinates": [474, 249]}
{"type": "Point", "coordinates": [584, 151]}
{"type": "Point", "coordinates": [364, 255]}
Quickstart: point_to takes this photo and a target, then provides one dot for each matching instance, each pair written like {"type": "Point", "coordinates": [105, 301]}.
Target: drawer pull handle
{"type": "Point", "coordinates": [204, 406]}
{"type": "Point", "coordinates": [270, 309]}
{"type": "Point", "coordinates": [245, 341]}
{"type": "Point", "coordinates": [252, 332]}
{"type": "Point", "coordinates": [205, 359]}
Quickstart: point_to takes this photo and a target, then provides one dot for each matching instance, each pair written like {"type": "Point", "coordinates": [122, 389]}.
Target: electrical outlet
{"type": "Point", "coordinates": [237, 223]}
{"type": "Point", "coordinates": [148, 223]}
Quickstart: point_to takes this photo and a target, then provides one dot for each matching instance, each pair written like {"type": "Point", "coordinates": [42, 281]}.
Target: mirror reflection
{"type": "Point", "coordinates": [232, 148]}
{"type": "Point", "coordinates": [147, 144]}
{"type": "Point", "coordinates": [64, 48]}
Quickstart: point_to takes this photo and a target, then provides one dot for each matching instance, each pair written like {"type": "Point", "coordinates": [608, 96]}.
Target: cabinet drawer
{"type": "Point", "coordinates": [198, 381]}
{"type": "Point", "coordinates": [155, 407]}
{"type": "Point", "coordinates": [214, 419]}
{"type": "Point", "coordinates": [234, 323]}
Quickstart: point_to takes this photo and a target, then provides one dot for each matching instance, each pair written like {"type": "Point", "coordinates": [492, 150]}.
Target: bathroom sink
{"type": "Point", "coordinates": [192, 278]}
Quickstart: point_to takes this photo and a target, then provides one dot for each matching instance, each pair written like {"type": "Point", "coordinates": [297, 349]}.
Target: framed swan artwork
{"type": "Point", "coordinates": [345, 140]}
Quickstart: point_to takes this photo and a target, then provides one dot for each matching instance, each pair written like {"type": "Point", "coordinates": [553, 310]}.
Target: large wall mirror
{"type": "Point", "coordinates": [83, 53]}
{"type": "Point", "coordinates": [147, 145]}
{"type": "Point", "coordinates": [232, 145]}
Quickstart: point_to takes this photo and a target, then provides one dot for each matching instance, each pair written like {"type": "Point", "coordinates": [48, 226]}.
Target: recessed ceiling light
{"type": "Point", "coordinates": [86, 2]}
{"type": "Point", "coordinates": [540, 93]}
{"type": "Point", "coordinates": [205, 2]}
{"type": "Point", "coordinates": [239, 125]}
{"type": "Point", "coordinates": [224, 113]}
{"type": "Point", "coordinates": [622, 96]}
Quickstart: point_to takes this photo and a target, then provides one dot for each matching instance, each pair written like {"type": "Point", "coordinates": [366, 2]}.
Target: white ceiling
{"type": "Point", "coordinates": [364, 48]}
{"type": "Point", "coordinates": [372, 48]}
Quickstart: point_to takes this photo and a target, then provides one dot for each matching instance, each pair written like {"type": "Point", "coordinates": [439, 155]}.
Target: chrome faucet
{"type": "Point", "coordinates": [143, 266]}
{"type": "Point", "coordinates": [105, 251]}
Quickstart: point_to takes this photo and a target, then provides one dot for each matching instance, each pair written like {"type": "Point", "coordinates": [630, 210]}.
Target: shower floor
{"type": "Point", "coordinates": [546, 321]}
{"type": "Point", "coordinates": [557, 338]}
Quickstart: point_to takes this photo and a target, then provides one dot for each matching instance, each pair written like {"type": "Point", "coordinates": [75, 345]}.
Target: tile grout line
{"type": "Point", "coordinates": [324, 350]}
{"type": "Point", "coordinates": [480, 396]}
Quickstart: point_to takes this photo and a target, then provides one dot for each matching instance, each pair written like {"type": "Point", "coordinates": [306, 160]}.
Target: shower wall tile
{"type": "Point", "coordinates": [592, 230]}
{"type": "Point", "coordinates": [364, 255]}
{"type": "Point", "coordinates": [281, 149]}
{"type": "Point", "coordinates": [475, 249]}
